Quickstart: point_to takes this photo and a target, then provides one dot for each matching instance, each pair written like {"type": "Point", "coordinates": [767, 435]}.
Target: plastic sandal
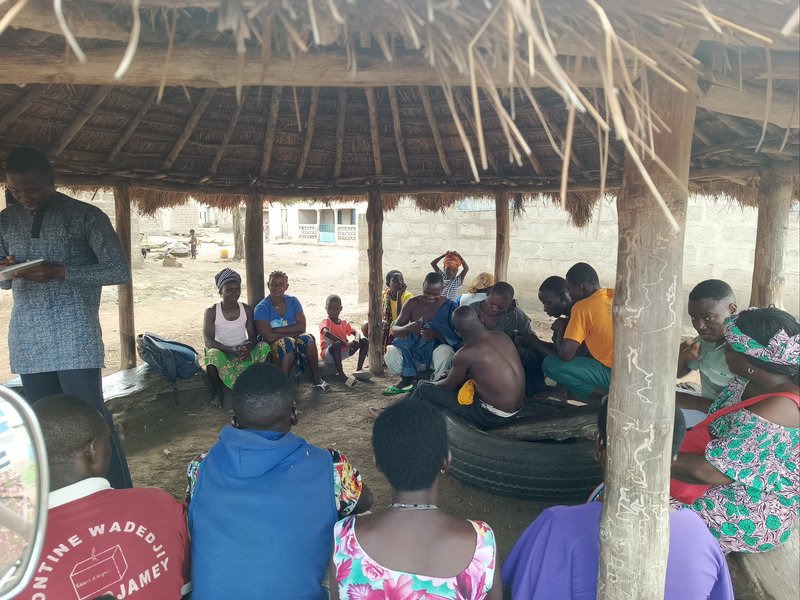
{"type": "Point", "coordinates": [393, 390]}
{"type": "Point", "coordinates": [322, 385]}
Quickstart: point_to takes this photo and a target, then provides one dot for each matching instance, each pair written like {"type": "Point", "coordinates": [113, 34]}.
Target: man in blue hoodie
{"type": "Point", "coordinates": [263, 502]}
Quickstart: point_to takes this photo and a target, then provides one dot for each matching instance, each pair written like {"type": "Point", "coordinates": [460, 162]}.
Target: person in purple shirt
{"type": "Point", "coordinates": [556, 557]}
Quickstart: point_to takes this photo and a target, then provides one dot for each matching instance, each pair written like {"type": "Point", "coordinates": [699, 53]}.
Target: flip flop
{"type": "Point", "coordinates": [393, 390]}
{"type": "Point", "coordinates": [322, 385]}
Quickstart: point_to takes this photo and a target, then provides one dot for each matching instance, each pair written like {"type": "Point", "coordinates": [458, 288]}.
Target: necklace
{"type": "Point", "coordinates": [403, 506]}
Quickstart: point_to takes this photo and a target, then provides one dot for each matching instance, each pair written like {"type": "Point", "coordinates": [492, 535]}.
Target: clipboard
{"type": "Point", "coordinates": [7, 272]}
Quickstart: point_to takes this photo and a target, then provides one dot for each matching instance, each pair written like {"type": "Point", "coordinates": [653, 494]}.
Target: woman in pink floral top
{"type": "Point", "coordinates": [413, 550]}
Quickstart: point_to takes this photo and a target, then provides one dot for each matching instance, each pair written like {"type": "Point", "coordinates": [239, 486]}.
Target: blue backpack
{"type": "Point", "coordinates": [169, 358]}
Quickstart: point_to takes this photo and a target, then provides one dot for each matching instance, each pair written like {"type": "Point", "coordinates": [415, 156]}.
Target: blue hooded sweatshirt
{"type": "Point", "coordinates": [261, 518]}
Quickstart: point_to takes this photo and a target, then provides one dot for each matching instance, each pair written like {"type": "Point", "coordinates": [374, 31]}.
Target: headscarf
{"type": "Point", "coordinates": [226, 276]}
{"type": "Point", "coordinates": [481, 282]}
{"type": "Point", "coordinates": [451, 259]}
{"type": "Point", "coordinates": [782, 349]}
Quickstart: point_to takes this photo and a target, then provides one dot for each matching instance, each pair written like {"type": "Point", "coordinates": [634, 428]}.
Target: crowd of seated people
{"type": "Point", "coordinates": [268, 514]}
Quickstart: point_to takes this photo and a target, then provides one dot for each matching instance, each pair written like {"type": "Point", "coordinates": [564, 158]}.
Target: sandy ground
{"type": "Point", "coordinates": [161, 439]}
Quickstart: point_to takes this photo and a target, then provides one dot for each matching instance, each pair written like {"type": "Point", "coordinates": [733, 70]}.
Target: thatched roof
{"type": "Point", "coordinates": [328, 98]}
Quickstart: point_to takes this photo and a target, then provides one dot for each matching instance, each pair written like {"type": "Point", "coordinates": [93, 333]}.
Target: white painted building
{"type": "Point", "coordinates": [309, 222]}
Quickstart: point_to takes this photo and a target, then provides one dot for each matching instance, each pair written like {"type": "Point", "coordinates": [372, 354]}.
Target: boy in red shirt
{"type": "Point", "coordinates": [128, 543]}
{"type": "Point", "coordinates": [334, 336]}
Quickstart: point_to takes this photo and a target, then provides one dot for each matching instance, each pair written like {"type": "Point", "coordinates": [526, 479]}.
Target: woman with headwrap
{"type": "Point", "coordinates": [230, 336]}
{"type": "Point", "coordinates": [738, 469]}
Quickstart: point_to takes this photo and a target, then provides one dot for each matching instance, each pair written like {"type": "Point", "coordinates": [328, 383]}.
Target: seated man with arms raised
{"type": "Point", "coordinates": [710, 303]}
{"type": "Point", "coordinates": [486, 384]}
{"type": "Point", "coordinates": [424, 337]}
{"type": "Point", "coordinates": [128, 543]}
{"type": "Point", "coordinates": [586, 378]}
{"type": "Point", "coordinates": [263, 501]}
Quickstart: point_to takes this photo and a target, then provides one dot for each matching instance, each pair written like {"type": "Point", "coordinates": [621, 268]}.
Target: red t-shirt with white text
{"type": "Point", "coordinates": [130, 543]}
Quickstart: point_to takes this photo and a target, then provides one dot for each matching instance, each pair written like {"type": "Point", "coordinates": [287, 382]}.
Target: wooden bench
{"type": "Point", "coordinates": [773, 575]}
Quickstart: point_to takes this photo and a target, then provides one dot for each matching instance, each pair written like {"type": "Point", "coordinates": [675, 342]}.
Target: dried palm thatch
{"type": "Point", "coordinates": [333, 97]}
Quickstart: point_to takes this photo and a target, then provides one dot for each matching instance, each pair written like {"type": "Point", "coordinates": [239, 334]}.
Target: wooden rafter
{"type": "Point", "coordinates": [86, 113]}
{"type": "Point", "coordinates": [309, 136]}
{"type": "Point", "coordinates": [32, 95]}
{"type": "Point", "coordinates": [341, 115]}
{"type": "Point", "coordinates": [701, 135]}
{"type": "Point", "coordinates": [129, 131]}
{"type": "Point", "coordinates": [269, 133]}
{"type": "Point", "coordinates": [226, 139]}
{"type": "Point", "coordinates": [461, 101]}
{"type": "Point", "coordinates": [398, 130]}
{"type": "Point", "coordinates": [734, 125]}
{"type": "Point", "coordinates": [437, 137]}
{"type": "Point", "coordinates": [189, 128]}
{"type": "Point", "coordinates": [372, 109]}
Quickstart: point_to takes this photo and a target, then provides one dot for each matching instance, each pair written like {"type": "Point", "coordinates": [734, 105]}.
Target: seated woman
{"type": "Point", "coordinates": [280, 322]}
{"type": "Point", "coordinates": [413, 549]}
{"type": "Point", "coordinates": [393, 298]}
{"type": "Point", "coordinates": [750, 464]}
{"type": "Point", "coordinates": [557, 556]}
{"type": "Point", "coordinates": [230, 337]}
{"type": "Point", "coordinates": [477, 289]}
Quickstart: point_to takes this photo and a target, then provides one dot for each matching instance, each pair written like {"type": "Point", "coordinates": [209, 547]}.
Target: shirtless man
{"type": "Point", "coordinates": [486, 384]}
{"type": "Point", "coordinates": [424, 337]}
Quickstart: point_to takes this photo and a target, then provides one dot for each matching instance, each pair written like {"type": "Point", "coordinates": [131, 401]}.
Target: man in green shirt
{"type": "Point", "coordinates": [710, 303]}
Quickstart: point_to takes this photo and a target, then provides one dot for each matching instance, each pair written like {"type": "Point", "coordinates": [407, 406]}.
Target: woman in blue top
{"type": "Point", "coordinates": [280, 322]}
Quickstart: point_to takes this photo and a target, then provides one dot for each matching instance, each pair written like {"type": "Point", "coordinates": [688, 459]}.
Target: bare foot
{"type": "Point", "coordinates": [216, 401]}
{"type": "Point", "coordinates": [374, 411]}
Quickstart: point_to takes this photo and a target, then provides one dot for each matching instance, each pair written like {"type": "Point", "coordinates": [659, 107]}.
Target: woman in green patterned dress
{"type": "Point", "coordinates": [751, 462]}
{"type": "Point", "coordinates": [230, 337]}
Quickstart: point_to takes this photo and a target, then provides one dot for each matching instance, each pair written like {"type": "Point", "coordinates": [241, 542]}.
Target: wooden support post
{"type": "Point", "coordinates": [634, 527]}
{"type": "Point", "coordinates": [127, 328]}
{"type": "Point", "coordinates": [502, 245]}
{"type": "Point", "coordinates": [254, 248]}
{"type": "Point", "coordinates": [774, 201]}
{"type": "Point", "coordinates": [375, 258]}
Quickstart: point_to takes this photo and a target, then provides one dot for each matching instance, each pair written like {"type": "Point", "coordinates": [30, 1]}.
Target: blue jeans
{"type": "Point", "coordinates": [581, 375]}
{"type": "Point", "coordinates": [86, 384]}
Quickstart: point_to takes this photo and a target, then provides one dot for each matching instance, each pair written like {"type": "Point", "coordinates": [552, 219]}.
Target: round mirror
{"type": "Point", "coordinates": [23, 493]}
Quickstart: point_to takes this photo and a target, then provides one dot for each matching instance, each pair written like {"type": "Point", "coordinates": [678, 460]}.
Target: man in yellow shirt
{"type": "Point", "coordinates": [587, 378]}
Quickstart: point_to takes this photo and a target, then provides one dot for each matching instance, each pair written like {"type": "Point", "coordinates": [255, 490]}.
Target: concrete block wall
{"type": "Point", "coordinates": [104, 200]}
{"type": "Point", "coordinates": [720, 243]}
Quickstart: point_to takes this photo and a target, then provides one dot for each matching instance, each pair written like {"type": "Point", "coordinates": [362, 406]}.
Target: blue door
{"type": "Point", "coordinates": [327, 233]}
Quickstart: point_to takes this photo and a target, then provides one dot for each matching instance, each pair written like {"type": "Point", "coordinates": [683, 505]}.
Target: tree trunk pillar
{"type": "Point", "coordinates": [375, 259]}
{"type": "Point", "coordinates": [774, 201]}
{"type": "Point", "coordinates": [127, 328]}
{"type": "Point", "coordinates": [254, 248]}
{"type": "Point", "coordinates": [238, 233]}
{"type": "Point", "coordinates": [648, 304]}
{"type": "Point", "coordinates": [502, 246]}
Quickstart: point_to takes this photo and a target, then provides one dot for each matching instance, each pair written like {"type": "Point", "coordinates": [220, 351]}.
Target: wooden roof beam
{"type": "Point", "coordinates": [311, 122]}
{"type": "Point", "coordinates": [723, 96]}
{"type": "Point", "coordinates": [137, 119]}
{"type": "Point", "coordinates": [437, 136]}
{"type": "Point", "coordinates": [86, 113]}
{"type": "Point", "coordinates": [398, 130]}
{"type": "Point", "coordinates": [34, 93]}
{"type": "Point", "coordinates": [85, 20]}
{"type": "Point", "coordinates": [205, 65]}
{"type": "Point", "coordinates": [226, 139]}
{"type": "Point", "coordinates": [269, 133]}
{"type": "Point", "coordinates": [341, 115]}
{"type": "Point", "coordinates": [372, 109]}
{"type": "Point", "coordinates": [189, 128]}
{"type": "Point", "coordinates": [461, 101]}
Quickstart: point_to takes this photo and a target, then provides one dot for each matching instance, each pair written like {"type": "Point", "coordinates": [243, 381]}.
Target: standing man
{"type": "Point", "coordinates": [587, 378]}
{"type": "Point", "coordinates": [54, 335]}
{"type": "Point", "coordinates": [710, 303]}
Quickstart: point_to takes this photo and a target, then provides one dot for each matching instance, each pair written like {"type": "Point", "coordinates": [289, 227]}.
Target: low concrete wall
{"type": "Point", "coordinates": [720, 242]}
